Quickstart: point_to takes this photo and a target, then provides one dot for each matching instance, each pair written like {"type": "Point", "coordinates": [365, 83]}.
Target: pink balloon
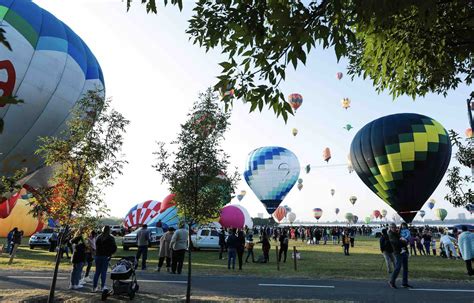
{"type": "Point", "coordinates": [232, 217]}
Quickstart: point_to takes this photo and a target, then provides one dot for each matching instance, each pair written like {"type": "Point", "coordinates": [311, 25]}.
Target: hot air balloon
{"type": "Point", "coordinates": [441, 213]}
{"type": "Point", "coordinates": [167, 202]}
{"type": "Point", "coordinates": [300, 186]}
{"type": "Point", "coordinates": [355, 219]}
{"type": "Point", "coordinates": [396, 154]}
{"type": "Point", "coordinates": [227, 91]}
{"type": "Point", "coordinates": [339, 75]}
{"type": "Point", "coordinates": [21, 218]}
{"type": "Point", "coordinates": [327, 154]}
{"type": "Point", "coordinates": [348, 127]}
{"type": "Point", "coordinates": [168, 218]}
{"type": "Point", "coordinates": [377, 214]}
{"type": "Point", "coordinates": [271, 172]}
{"type": "Point", "coordinates": [279, 214]}
{"type": "Point", "coordinates": [470, 208]}
{"type": "Point", "coordinates": [308, 168]}
{"type": "Point", "coordinates": [141, 213]}
{"type": "Point", "coordinates": [349, 164]}
{"type": "Point", "coordinates": [346, 103]}
{"type": "Point", "coordinates": [243, 192]}
{"type": "Point", "coordinates": [235, 216]}
{"type": "Point", "coordinates": [294, 131]}
{"type": "Point", "coordinates": [349, 217]}
{"type": "Point", "coordinates": [337, 210]}
{"type": "Point", "coordinates": [295, 101]}
{"type": "Point", "coordinates": [383, 212]}
{"type": "Point", "coordinates": [367, 220]}
{"type": "Point", "coordinates": [288, 209]}
{"type": "Point", "coordinates": [317, 213]}
{"type": "Point", "coordinates": [50, 69]}
{"type": "Point", "coordinates": [352, 199]}
{"type": "Point", "coordinates": [291, 217]}
{"type": "Point", "coordinates": [421, 213]}
{"type": "Point", "coordinates": [7, 205]}
{"type": "Point", "coordinates": [300, 181]}
{"type": "Point", "coordinates": [431, 203]}
{"type": "Point", "coordinates": [240, 197]}
{"type": "Point", "coordinates": [333, 191]}
{"type": "Point", "coordinates": [469, 133]}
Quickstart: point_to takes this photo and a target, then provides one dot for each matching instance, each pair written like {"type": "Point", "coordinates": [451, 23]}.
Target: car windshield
{"type": "Point", "coordinates": [46, 231]}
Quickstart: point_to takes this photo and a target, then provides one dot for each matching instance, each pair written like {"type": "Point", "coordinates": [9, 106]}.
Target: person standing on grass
{"type": "Point", "coordinates": [231, 249]}
{"type": "Point", "coordinates": [10, 240]}
{"type": "Point", "coordinates": [448, 245]}
{"type": "Point", "coordinates": [387, 251]}
{"type": "Point", "coordinates": [240, 247]}
{"type": "Point", "coordinates": [179, 244]}
{"type": "Point", "coordinates": [105, 248]}
{"type": "Point", "coordinates": [352, 233]}
{"type": "Point", "coordinates": [221, 243]}
{"type": "Point", "coordinates": [78, 260]}
{"type": "Point", "coordinates": [283, 246]}
{"type": "Point", "coordinates": [427, 241]}
{"type": "Point", "coordinates": [346, 241]}
{"type": "Point", "coordinates": [90, 253]}
{"type": "Point", "coordinates": [165, 250]}
{"type": "Point", "coordinates": [466, 247]}
{"type": "Point", "coordinates": [143, 240]}
{"type": "Point", "coordinates": [400, 250]}
{"type": "Point", "coordinates": [419, 245]}
{"type": "Point", "coordinates": [265, 248]}
{"type": "Point", "coordinates": [433, 246]}
{"type": "Point", "coordinates": [249, 246]}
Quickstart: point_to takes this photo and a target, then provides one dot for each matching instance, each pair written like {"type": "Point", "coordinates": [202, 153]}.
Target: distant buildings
{"type": "Point", "coordinates": [461, 216]}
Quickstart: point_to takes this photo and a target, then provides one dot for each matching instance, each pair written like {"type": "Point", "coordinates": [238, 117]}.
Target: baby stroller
{"type": "Point", "coordinates": [124, 279]}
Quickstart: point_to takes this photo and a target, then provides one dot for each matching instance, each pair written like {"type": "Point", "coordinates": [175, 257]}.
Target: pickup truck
{"type": "Point", "coordinates": [205, 238]}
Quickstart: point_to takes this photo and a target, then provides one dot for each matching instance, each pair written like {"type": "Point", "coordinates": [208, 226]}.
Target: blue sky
{"type": "Point", "coordinates": [153, 73]}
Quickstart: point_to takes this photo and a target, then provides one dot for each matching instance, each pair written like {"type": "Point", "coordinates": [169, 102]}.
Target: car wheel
{"type": "Point", "coordinates": [32, 247]}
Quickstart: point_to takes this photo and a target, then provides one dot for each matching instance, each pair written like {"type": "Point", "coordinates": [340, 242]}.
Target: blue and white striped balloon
{"type": "Point", "coordinates": [271, 172]}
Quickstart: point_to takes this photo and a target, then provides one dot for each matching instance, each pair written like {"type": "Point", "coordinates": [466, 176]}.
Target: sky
{"type": "Point", "coordinates": [154, 73]}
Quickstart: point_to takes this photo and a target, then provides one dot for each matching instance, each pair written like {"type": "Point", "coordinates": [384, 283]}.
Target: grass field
{"type": "Point", "coordinates": [318, 261]}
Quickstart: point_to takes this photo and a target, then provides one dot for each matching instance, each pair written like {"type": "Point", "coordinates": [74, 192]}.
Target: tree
{"type": "Point", "coordinates": [197, 171]}
{"type": "Point", "coordinates": [408, 47]}
{"type": "Point", "coordinates": [86, 157]}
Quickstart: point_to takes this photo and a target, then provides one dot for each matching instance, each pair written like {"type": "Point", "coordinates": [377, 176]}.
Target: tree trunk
{"type": "Point", "coordinates": [56, 266]}
{"type": "Point", "coordinates": [188, 289]}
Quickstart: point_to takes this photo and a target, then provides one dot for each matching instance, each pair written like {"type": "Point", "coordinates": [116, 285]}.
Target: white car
{"type": "Point", "coordinates": [206, 238]}
{"type": "Point", "coordinates": [377, 232]}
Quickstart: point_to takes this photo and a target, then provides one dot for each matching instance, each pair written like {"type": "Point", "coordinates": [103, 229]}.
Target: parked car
{"type": "Point", "coordinates": [130, 240]}
{"type": "Point", "coordinates": [205, 238]}
{"type": "Point", "coordinates": [41, 238]}
{"type": "Point", "coordinates": [117, 230]}
{"type": "Point", "coordinates": [377, 232]}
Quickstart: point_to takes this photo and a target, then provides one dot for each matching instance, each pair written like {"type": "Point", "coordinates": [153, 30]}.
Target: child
{"type": "Point", "coordinates": [249, 246]}
{"type": "Point", "coordinates": [433, 246]}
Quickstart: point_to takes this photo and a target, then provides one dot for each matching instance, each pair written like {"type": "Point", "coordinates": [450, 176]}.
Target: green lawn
{"type": "Point", "coordinates": [318, 261]}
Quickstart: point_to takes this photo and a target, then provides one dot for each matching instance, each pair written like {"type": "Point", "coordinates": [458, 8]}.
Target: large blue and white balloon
{"type": "Point", "coordinates": [271, 172]}
{"type": "Point", "coordinates": [50, 68]}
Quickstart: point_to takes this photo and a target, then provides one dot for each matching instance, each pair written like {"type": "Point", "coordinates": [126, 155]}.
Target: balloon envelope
{"type": "Point", "coordinates": [352, 199]}
{"type": "Point", "coordinates": [141, 213]}
{"type": "Point", "coordinates": [271, 172]}
{"type": "Point", "coordinates": [421, 213]}
{"type": "Point", "coordinates": [355, 219]}
{"type": "Point", "coordinates": [295, 101]}
{"type": "Point", "coordinates": [279, 214]}
{"type": "Point", "coordinates": [349, 216]}
{"type": "Point", "coordinates": [431, 203]}
{"type": "Point", "coordinates": [168, 217]}
{"type": "Point", "coordinates": [294, 131]}
{"type": "Point", "coordinates": [377, 214]}
{"type": "Point", "coordinates": [346, 103]}
{"type": "Point", "coordinates": [326, 154]}
{"type": "Point", "coordinates": [300, 186]}
{"type": "Point", "coordinates": [470, 208]}
{"type": "Point", "coordinates": [50, 69]}
{"type": "Point", "coordinates": [336, 210]}
{"type": "Point", "coordinates": [167, 202]}
{"type": "Point", "coordinates": [21, 217]}
{"type": "Point", "coordinates": [235, 216]}
{"type": "Point", "coordinates": [291, 217]}
{"type": "Point", "coordinates": [367, 220]}
{"type": "Point", "coordinates": [383, 212]}
{"type": "Point", "coordinates": [402, 158]}
{"type": "Point", "coordinates": [317, 213]}
{"type": "Point", "coordinates": [240, 197]}
{"type": "Point", "coordinates": [339, 75]}
{"type": "Point", "coordinates": [441, 213]}
{"type": "Point", "coordinates": [333, 191]}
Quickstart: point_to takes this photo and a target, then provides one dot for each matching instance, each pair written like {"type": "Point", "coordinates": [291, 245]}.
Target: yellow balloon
{"type": "Point", "coordinates": [21, 218]}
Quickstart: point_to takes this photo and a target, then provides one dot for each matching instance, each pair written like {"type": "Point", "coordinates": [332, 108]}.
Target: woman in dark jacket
{"type": "Point", "coordinates": [283, 246]}
{"type": "Point", "coordinates": [240, 247]}
{"type": "Point", "coordinates": [265, 248]}
{"type": "Point", "coordinates": [105, 248]}
{"type": "Point", "coordinates": [78, 260]}
{"type": "Point", "coordinates": [387, 251]}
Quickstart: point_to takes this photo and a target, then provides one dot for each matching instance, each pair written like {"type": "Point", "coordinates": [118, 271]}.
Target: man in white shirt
{"type": "Point", "coordinates": [448, 245]}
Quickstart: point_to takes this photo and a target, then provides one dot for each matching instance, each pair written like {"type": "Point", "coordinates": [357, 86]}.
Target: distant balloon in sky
{"type": "Point", "coordinates": [271, 172]}
{"type": "Point", "coordinates": [308, 168]}
{"type": "Point", "coordinates": [327, 154]}
{"type": "Point", "coordinates": [227, 91]}
{"type": "Point", "coordinates": [469, 133]}
{"type": "Point", "coordinates": [294, 131]}
{"type": "Point", "coordinates": [470, 208]}
{"type": "Point", "coordinates": [352, 199]}
{"type": "Point", "coordinates": [431, 203]}
{"type": "Point", "coordinates": [367, 220]}
{"type": "Point", "coordinates": [333, 191]}
{"type": "Point", "coordinates": [383, 212]}
{"type": "Point", "coordinates": [288, 209]}
{"type": "Point", "coordinates": [240, 197]}
{"type": "Point", "coordinates": [243, 192]}
{"type": "Point", "coordinates": [300, 181]}
{"type": "Point", "coordinates": [441, 213]}
{"type": "Point", "coordinates": [397, 153]}
{"type": "Point", "coordinates": [336, 210]}
{"type": "Point", "coordinates": [291, 217]}
{"type": "Point", "coordinates": [339, 75]}
{"type": "Point", "coordinates": [349, 164]}
{"type": "Point", "coordinates": [317, 213]}
{"type": "Point", "coordinates": [421, 213]}
{"type": "Point", "coordinates": [295, 101]}
{"type": "Point", "coordinates": [279, 214]}
{"type": "Point", "coordinates": [346, 103]}
{"type": "Point", "coordinates": [300, 186]}
{"type": "Point", "coordinates": [349, 217]}
{"type": "Point", "coordinates": [377, 214]}
{"type": "Point", "coordinates": [355, 219]}
{"type": "Point", "coordinates": [348, 127]}
{"type": "Point", "coordinates": [50, 69]}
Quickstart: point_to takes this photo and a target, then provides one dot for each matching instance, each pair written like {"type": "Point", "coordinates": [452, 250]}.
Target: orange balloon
{"type": "Point", "coordinates": [279, 213]}
{"type": "Point", "coordinates": [20, 217]}
{"type": "Point", "coordinates": [469, 133]}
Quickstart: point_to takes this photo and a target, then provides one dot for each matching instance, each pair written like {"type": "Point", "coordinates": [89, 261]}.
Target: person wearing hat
{"type": "Point", "coordinates": [165, 249]}
{"type": "Point", "coordinates": [400, 251]}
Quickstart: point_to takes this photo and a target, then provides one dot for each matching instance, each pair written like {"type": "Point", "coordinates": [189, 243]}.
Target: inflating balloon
{"type": "Point", "coordinates": [349, 217]}
{"type": "Point", "coordinates": [336, 210]}
{"type": "Point", "coordinates": [294, 131]}
{"type": "Point", "coordinates": [279, 214]}
{"type": "Point", "coordinates": [317, 213]}
{"type": "Point", "coordinates": [352, 199]}
{"type": "Point", "coordinates": [326, 154]}
{"type": "Point", "coordinates": [7, 205]}
{"type": "Point", "coordinates": [141, 213]}
{"type": "Point", "coordinates": [295, 101]}
{"type": "Point", "coordinates": [21, 218]}
{"type": "Point", "coordinates": [167, 202]}
{"type": "Point", "coordinates": [168, 217]}
{"type": "Point", "coordinates": [339, 75]}
{"type": "Point", "coordinates": [50, 69]}
{"type": "Point", "coordinates": [271, 172]}
{"type": "Point", "coordinates": [348, 127]}
{"type": "Point", "coordinates": [346, 103]}
{"type": "Point", "coordinates": [235, 216]}
{"type": "Point", "coordinates": [308, 168]}
{"type": "Point", "coordinates": [431, 203]}
{"type": "Point", "coordinates": [333, 191]}
{"type": "Point", "coordinates": [402, 158]}
{"type": "Point", "coordinates": [291, 217]}
{"type": "Point", "coordinates": [422, 213]}
{"type": "Point", "coordinates": [441, 213]}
